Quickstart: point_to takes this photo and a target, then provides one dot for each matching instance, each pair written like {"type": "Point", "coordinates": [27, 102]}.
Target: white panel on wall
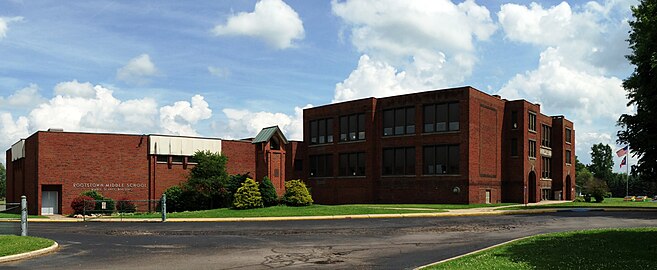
{"type": "Point", "coordinates": [184, 146]}
{"type": "Point", "coordinates": [18, 150]}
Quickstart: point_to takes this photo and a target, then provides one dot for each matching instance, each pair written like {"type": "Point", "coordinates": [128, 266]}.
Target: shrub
{"type": "Point", "coordinates": [597, 189]}
{"type": "Point", "coordinates": [82, 204]}
{"type": "Point", "coordinates": [248, 196]}
{"type": "Point", "coordinates": [296, 194]}
{"type": "Point", "coordinates": [125, 206]}
{"type": "Point", "coordinates": [268, 192]}
{"type": "Point", "coordinates": [109, 203]}
{"type": "Point", "coordinates": [579, 199]}
{"type": "Point", "coordinates": [174, 199]}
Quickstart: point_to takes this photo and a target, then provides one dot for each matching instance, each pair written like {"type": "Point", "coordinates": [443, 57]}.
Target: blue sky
{"type": "Point", "coordinates": [228, 68]}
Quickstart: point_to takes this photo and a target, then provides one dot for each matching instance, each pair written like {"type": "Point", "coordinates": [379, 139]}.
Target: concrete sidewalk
{"type": "Point", "coordinates": [483, 211]}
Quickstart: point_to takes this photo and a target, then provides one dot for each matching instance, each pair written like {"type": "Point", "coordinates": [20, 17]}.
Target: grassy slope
{"type": "Point", "coordinates": [607, 203]}
{"type": "Point", "coordinates": [318, 210]}
{"type": "Point", "coordinates": [11, 244]}
{"type": "Point", "coordinates": [594, 249]}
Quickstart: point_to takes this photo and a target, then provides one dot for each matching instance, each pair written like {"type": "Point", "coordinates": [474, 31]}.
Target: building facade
{"type": "Point", "coordinates": [455, 145]}
{"type": "Point", "coordinates": [53, 167]}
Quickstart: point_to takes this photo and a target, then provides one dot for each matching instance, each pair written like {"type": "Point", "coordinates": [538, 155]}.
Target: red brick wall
{"type": "Point", "coordinates": [81, 161]}
{"type": "Point", "coordinates": [241, 157]}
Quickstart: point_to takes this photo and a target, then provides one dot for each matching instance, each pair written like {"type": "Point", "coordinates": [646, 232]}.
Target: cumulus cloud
{"type": "Point", "coordinates": [26, 97]}
{"type": "Point", "coordinates": [245, 123]}
{"type": "Point", "coordinates": [75, 89]}
{"type": "Point", "coordinates": [4, 25]}
{"type": "Point", "coordinates": [411, 46]}
{"type": "Point", "coordinates": [272, 21]}
{"type": "Point", "coordinates": [582, 47]}
{"type": "Point", "coordinates": [180, 117]}
{"type": "Point", "coordinates": [138, 70]}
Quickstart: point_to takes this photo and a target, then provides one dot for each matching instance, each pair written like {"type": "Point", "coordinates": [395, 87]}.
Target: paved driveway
{"type": "Point", "coordinates": [333, 244]}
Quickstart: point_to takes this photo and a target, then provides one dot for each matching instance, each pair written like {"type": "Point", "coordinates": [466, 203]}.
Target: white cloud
{"type": "Point", "coordinates": [219, 72]}
{"type": "Point", "coordinates": [272, 21]}
{"type": "Point", "coordinates": [26, 97]}
{"type": "Point", "coordinates": [591, 37]}
{"type": "Point", "coordinates": [99, 113]}
{"type": "Point", "coordinates": [244, 123]}
{"type": "Point", "coordinates": [179, 117]}
{"type": "Point", "coordinates": [582, 47]}
{"type": "Point", "coordinates": [137, 71]}
{"type": "Point", "coordinates": [4, 25]}
{"type": "Point", "coordinates": [75, 89]}
{"type": "Point", "coordinates": [411, 46]}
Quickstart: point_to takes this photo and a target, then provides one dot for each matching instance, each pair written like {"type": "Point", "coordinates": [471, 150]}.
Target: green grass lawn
{"type": "Point", "coordinates": [17, 216]}
{"type": "Point", "coordinates": [12, 244]}
{"type": "Point", "coordinates": [317, 210]}
{"type": "Point", "coordinates": [593, 249]}
{"type": "Point", "coordinates": [607, 203]}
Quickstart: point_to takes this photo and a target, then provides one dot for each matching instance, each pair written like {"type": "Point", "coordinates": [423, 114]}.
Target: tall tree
{"type": "Point", "coordinates": [3, 181]}
{"type": "Point", "coordinates": [601, 161]}
{"type": "Point", "coordinates": [640, 130]}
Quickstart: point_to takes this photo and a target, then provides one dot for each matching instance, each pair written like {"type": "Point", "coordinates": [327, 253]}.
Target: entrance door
{"type": "Point", "coordinates": [487, 196]}
{"type": "Point", "coordinates": [49, 202]}
{"type": "Point", "coordinates": [532, 187]}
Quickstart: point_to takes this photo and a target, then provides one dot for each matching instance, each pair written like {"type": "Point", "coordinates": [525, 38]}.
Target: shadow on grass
{"type": "Point", "coordinates": [599, 249]}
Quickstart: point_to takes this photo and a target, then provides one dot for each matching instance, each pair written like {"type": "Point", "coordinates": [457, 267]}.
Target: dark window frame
{"type": "Point", "coordinates": [321, 131]}
{"type": "Point", "coordinates": [391, 164]}
{"type": "Point", "coordinates": [569, 158]}
{"type": "Point", "coordinates": [441, 117]}
{"type": "Point", "coordinates": [532, 149]}
{"type": "Point", "coordinates": [546, 170]}
{"type": "Point", "coordinates": [321, 165]}
{"type": "Point", "coordinates": [514, 119]}
{"type": "Point", "coordinates": [158, 159]}
{"type": "Point", "coordinates": [569, 135]}
{"type": "Point", "coordinates": [546, 136]}
{"type": "Point", "coordinates": [399, 121]}
{"type": "Point", "coordinates": [450, 157]}
{"type": "Point", "coordinates": [351, 164]}
{"type": "Point", "coordinates": [531, 121]}
{"type": "Point", "coordinates": [352, 127]}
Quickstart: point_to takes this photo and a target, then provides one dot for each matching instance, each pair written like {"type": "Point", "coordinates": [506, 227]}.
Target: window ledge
{"type": "Point", "coordinates": [398, 175]}
{"type": "Point", "coordinates": [348, 142]}
{"type": "Point", "coordinates": [441, 132]}
{"type": "Point", "coordinates": [320, 144]}
{"type": "Point", "coordinates": [532, 131]}
{"type": "Point", "coordinates": [397, 136]}
{"type": "Point", "coordinates": [439, 175]}
{"type": "Point", "coordinates": [349, 177]}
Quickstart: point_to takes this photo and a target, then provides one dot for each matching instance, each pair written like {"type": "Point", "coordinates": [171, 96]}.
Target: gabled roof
{"type": "Point", "coordinates": [266, 134]}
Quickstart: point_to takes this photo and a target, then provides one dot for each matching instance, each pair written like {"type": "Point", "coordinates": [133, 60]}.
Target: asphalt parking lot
{"type": "Point", "coordinates": [401, 243]}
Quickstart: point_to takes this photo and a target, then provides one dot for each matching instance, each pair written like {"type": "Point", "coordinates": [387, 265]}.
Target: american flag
{"type": "Point", "coordinates": [623, 162]}
{"type": "Point", "coordinates": [622, 151]}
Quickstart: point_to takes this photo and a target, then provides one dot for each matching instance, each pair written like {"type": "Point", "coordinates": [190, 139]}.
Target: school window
{"type": "Point", "coordinates": [532, 121]}
{"type": "Point", "coordinates": [399, 121]}
{"type": "Point", "coordinates": [321, 131]}
{"type": "Point", "coordinates": [514, 147]}
{"type": "Point", "coordinates": [546, 172]}
{"type": "Point", "coordinates": [569, 134]}
{"type": "Point", "coordinates": [399, 161]}
{"type": "Point", "coordinates": [441, 117]}
{"type": "Point", "coordinates": [514, 119]}
{"type": "Point", "coordinates": [352, 127]}
{"type": "Point", "coordinates": [177, 159]}
{"type": "Point", "coordinates": [441, 159]}
{"type": "Point", "coordinates": [532, 149]}
{"type": "Point", "coordinates": [568, 157]}
{"type": "Point", "coordinates": [352, 164]}
{"type": "Point", "coordinates": [546, 134]}
{"type": "Point", "coordinates": [321, 166]}
{"type": "Point", "coordinates": [162, 159]}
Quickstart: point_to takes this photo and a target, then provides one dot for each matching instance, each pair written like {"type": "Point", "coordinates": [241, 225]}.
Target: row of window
{"type": "Point", "coordinates": [546, 130]}
{"type": "Point", "coordinates": [532, 150]}
{"type": "Point", "coordinates": [437, 159]}
{"type": "Point", "coordinates": [400, 121]}
{"type": "Point", "coordinates": [175, 159]}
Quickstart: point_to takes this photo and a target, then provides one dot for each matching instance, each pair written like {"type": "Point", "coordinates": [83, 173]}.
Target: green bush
{"type": "Point", "coordinates": [268, 192]}
{"type": "Point", "coordinates": [579, 199]}
{"type": "Point", "coordinates": [597, 189]}
{"type": "Point", "coordinates": [296, 194]}
{"type": "Point", "coordinates": [100, 199]}
{"type": "Point", "coordinates": [248, 196]}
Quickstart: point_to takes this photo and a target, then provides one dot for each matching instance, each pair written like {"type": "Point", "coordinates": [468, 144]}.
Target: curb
{"type": "Point", "coordinates": [30, 254]}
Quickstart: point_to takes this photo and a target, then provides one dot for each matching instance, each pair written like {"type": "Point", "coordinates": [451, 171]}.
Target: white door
{"type": "Point", "coordinates": [487, 196]}
{"type": "Point", "coordinates": [49, 202]}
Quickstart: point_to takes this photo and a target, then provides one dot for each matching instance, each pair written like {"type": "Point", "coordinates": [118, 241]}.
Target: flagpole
{"type": "Point", "coordinates": [627, 163]}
